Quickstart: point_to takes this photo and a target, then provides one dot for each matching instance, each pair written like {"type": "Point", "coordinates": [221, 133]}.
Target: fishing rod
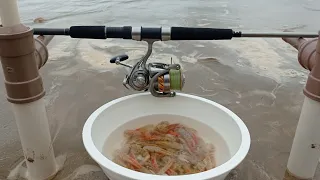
{"type": "Point", "coordinates": [159, 78]}
{"type": "Point", "coordinates": [162, 33]}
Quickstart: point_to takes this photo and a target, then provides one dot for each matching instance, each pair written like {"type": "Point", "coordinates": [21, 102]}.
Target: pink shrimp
{"type": "Point", "coordinates": [130, 160]}
{"type": "Point", "coordinates": [172, 127]}
{"type": "Point", "coordinates": [173, 133]}
{"type": "Point", "coordinates": [187, 137]}
{"type": "Point", "coordinates": [171, 172]}
{"type": "Point", "coordinates": [154, 162]}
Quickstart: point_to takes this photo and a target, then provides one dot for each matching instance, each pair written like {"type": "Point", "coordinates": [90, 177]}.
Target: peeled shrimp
{"type": "Point", "coordinates": [163, 126]}
{"type": "Point", "coordinates": [157, 150]}
{"type": "Point", "coordinates": [166, 167]}
{"type": "Point", "coordinates": [167, 144]}
{"type": "Point", "coordinates": [142, 154]}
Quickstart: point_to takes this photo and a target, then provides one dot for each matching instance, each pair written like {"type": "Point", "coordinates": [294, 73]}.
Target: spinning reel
{"type": "Point", "coordinates": [159, 78]}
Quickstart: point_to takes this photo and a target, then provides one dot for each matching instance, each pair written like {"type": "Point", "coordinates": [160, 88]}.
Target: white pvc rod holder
{"type": "Point", "coordinates": [31, 118]}
{"type": "Point", "coordinates": [305, 151]}
{"type": "Point", "coordinates": [32, 122]}
{"type": "Point", "coordinates": [9, 13]}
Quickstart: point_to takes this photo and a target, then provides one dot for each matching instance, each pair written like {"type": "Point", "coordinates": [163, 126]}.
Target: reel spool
{"type": "Point", "coordinates": [159, 78]}
{"type": "Point", "coordinates": [168, 79]}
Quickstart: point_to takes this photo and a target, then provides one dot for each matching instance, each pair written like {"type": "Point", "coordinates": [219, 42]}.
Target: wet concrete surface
{"type": "Point", "coordinates": [258, 79]}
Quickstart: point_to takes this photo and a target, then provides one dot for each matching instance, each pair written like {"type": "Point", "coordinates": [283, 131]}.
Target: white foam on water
{"type": "Point", "coordinates": [165, 58]}
{"type": "Point", "coordinates": [97, 54]}
{"type": "Point", "coordinates": [53, 93]}
{"type": "Point", "coordinates": [203, 24]}
{"type": "Point", "coordinates": [60, 50]}
{"type": "Point", "coordinates": [287, 49]}
{"type": "Point", "coordinates": [99, 60]}
{"type": "Point", "coordinates": [135, 50]}
{"type": "Point", "coordinates": [63, 51]}
{"type": "Point", "coordinates": [18, 172]}
{"type": "Point", "coordinates": [226, 12]}
{"type": "Point", "coordinates": [263, 58]}
{"type": "Point", "coordinates": [189, 59]}
{"type": "Point", "coordinates": [192, 57]}
{"type": "Point", "coordinates": [21, 171]}
{"type": "Point", "coordinates": [199, 45]}
{"type": "Point", "coordinates": [60, 160]}
{"type": "Point", "coordinates": [161, 44]}
{"type": "Point", "coordinates": [82, 170]}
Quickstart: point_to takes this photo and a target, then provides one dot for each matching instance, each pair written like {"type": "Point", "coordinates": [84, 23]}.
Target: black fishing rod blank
{"type": "Point", "coordinates": [51, 31]}
{"type": "Point", "coordinates": [141, 33]}
{"type": "Point", "coordinates": [162, 33]}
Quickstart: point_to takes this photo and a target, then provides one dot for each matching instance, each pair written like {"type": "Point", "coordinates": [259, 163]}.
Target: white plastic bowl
{"type": "Point", "coordinates": [213, 122]}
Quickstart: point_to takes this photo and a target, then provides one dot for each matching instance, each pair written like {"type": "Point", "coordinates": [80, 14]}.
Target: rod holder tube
{"type": "Point", "coordinates": [33, 127]}
{"type": "Point", "coordinates": [305, 151]}
{"type": "Point", "coordinates": [306, 51]}
{"type": "Point", "coordinates": [41, 53]}
{"type": "Point", "coordinates": [312, 89]}
{"type": "Point", "coordinates": [25, 91]}
{"type": "Point", "coordinates": [17, 51]}
{"type": "Point", "coordinates": [9, 13]}
{"type": "Point", "coordinates": [294, 42]}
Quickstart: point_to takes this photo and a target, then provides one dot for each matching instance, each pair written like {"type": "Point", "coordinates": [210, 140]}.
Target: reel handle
{"type": "Point", "coordinates": [120, 58]}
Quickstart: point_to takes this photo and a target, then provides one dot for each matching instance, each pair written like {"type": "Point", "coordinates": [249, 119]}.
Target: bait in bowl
{"type": "Point", "coordinates": [103, 131]}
